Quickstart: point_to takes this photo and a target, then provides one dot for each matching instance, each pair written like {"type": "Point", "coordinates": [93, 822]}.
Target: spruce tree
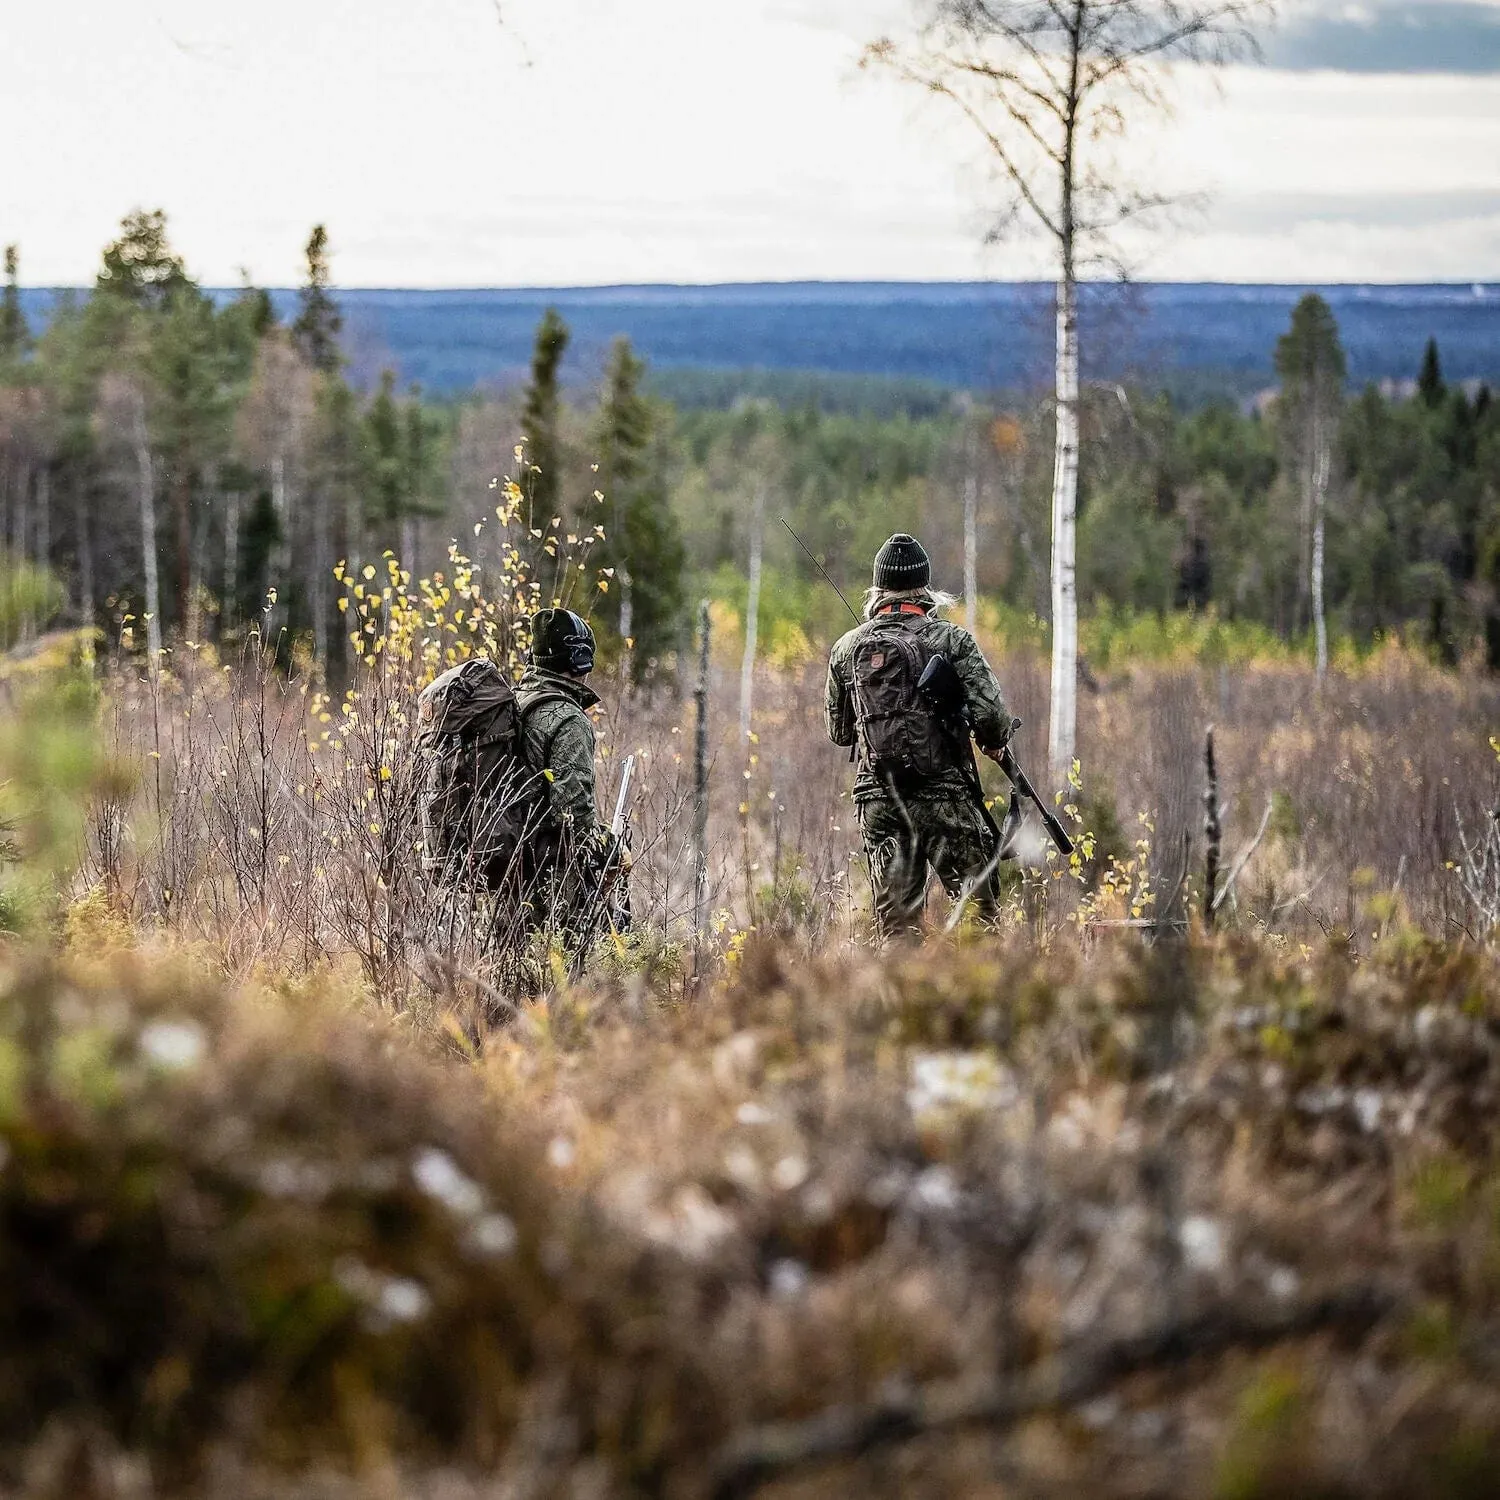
{"type": "Point", "coordinates": [384, 461]}
{"type": "Point", "coordinates": [15, 336]}
{"type": "Point", "coordinates": [140, 266]}
{"type": "Point", "coordinates": [539, 420]}
{"type": "Point", "coordinates": [319, 321]}
{"type": "Point", "coordinates": [1430, 386]}
{"type": "Point", "coordinates": [642, 542]}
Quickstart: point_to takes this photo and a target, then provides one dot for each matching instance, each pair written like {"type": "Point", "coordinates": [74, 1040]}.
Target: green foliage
{"type": "Point", "coordinates": [318, 320]}
{"type": "Point", "coordinates": [539, 420]}
{"type": "Point", "coordinates": [1262, 1453]}
{"type": "Point", "coordinates": [29, 599]}
{"type": "Point", "coordinates": [51, 759]}
{"type": "Point", "coordinates": [141, 267]}
{"type": "Point", "coordinates": [15, 336]}
{"type": "Point", "coordinates": [1430, 385]}
{"type": "Point", "coordinates": [641, 555]}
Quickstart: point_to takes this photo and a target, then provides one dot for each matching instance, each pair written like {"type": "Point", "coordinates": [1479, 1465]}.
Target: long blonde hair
{"type": "Point", "coordinates": [877, 598]}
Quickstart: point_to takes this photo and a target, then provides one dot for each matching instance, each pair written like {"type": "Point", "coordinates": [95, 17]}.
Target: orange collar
{"type": "Point", "coordinates": [903, 607]}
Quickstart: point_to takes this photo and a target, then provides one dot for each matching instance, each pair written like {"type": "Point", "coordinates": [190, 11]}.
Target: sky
{"type": "Point", "coordinates": [581, 142]}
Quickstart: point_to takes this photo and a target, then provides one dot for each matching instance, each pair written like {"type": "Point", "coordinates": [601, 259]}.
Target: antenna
{"type": "Point", "coordinates": [819, 566]}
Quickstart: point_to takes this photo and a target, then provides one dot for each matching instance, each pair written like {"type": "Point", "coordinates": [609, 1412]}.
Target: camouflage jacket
{"type": "Point", "coordinates": [986, 703]}
{"type": "Point", "coordinates": [559, 739]}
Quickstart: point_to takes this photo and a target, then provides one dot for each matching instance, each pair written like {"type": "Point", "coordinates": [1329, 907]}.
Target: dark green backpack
{"type": "Point", "coordinates": [484, 809]}
{"type": "Point", "coordinates": [900, 738]}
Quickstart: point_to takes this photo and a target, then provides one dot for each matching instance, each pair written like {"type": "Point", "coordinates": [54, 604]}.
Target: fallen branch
{"type": "Point", "coordinates": [764, 1453]}
{"type": "Point", "coordinates": [1245, 853]}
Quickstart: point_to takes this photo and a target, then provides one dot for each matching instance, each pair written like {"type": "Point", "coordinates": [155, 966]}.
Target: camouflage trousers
{"type": "Point", "coordinates": [908, 839]}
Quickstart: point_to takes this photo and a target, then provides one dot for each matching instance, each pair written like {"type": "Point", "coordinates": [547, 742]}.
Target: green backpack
{"type": "Point", "coordinates": [484, 809]}
{"type": "Point", "coordinates": [900, 738]}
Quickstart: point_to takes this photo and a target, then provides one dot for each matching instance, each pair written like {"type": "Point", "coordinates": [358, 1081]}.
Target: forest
{"type": "Point", "coordinates": [185, 464]}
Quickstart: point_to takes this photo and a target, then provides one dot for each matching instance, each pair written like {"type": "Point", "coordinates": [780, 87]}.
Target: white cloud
{"type": "Point", "coordinates": [655, 140]}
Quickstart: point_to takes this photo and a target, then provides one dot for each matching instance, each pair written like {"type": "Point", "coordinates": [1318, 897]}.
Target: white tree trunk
{"type": "Point", "coordinates": [971, 541]}
{"type": "Point", "coordinates": [1063, 729]}
{"type": "Point", "coordinates": [322, 567]}
{"type": "Point", "coordinates": [44, 517]}
{"type": "Point", "coordinates": [281, 504]}
{"type": "Point", "coordinates": [752, 612]}
{"type": "Point", "coordinates": [85, 557]}
{"type": "Point", "coordinates": [228, 610]}
{"type": "Point", "coordinates": [145, 489]}
{"type": "Point", "coordinates": [1321, 464]}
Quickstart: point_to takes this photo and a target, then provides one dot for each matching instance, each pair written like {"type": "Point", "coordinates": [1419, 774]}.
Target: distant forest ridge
{"type": "Point", "coordinates": [1197, 340]}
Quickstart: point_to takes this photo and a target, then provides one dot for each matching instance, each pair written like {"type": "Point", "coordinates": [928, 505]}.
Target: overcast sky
{"type": "Point", "coordinates": [565, 142]}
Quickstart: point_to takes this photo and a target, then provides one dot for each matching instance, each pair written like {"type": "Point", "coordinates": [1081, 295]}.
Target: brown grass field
{"type": "Point", "coordinates": [301, 1195]}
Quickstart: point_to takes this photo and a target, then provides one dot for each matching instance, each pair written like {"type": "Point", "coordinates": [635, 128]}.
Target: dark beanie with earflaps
{"type": "Point", "coordinates": [901, 565]}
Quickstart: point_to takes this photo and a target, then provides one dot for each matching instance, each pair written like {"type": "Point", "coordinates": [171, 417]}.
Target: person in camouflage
{"type": "Point", "coordinates": [568, 862]}
{"type": "Point", "coordinates": [932, 820]}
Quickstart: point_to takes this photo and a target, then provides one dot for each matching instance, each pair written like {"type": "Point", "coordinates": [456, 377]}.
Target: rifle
{"type": "Point", "coordinates": [941, 686]}
{"type": "Point", "coordinates": [609, 903]}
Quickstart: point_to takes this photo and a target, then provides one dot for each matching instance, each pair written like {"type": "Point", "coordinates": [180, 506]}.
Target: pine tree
{"type": "Point", "coordinates": [15, 336]}
{"type": "Point", "coordinates": [1430, 386]}
{"type": "Point", "coordinates": [539, 421]}
{"type": "Point", "coordinates": [319, 322]}
{"type": "Point", "coordinates": [1310, 361]}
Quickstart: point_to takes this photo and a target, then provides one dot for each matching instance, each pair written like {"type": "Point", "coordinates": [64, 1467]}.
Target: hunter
{"type": "Point", "coordinates": [917, 789]}
{"type": "Point", "coordinates": [577, 856]}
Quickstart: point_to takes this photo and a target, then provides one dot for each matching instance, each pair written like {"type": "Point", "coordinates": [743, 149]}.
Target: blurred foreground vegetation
{"type": "Point", "coordinates": [300, 1195]}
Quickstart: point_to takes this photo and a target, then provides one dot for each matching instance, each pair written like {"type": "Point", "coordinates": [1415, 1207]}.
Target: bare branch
{"type": "Point", "coordinates": [1064, 1381]}
{"type": "Point", "coordinates": [885, 54]}
{"type": "Point", "coordinates": [1244, 858]}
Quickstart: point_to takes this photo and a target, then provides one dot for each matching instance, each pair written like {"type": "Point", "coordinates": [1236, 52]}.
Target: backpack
{"type": "Point", "coordinates": [483, 807]}
{"type": "Point", "coordinates": [900, 738]}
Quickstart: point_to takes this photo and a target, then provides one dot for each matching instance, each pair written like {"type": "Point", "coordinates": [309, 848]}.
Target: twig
{"type": "Point", "coordinates": [762, 1454]}
{"type": "Point", "coordinates": [1245, 853]}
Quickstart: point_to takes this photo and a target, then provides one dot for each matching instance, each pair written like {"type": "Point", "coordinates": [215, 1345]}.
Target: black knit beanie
{"type": "Point", "coordinates": [902, 564]}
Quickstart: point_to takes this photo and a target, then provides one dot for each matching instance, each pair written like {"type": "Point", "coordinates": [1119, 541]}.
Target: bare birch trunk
{"type": "Point", "coordinates": [146, 500]}
{"type": "Point", "coordinates": [752, 612]}
{"type": "Point", "coordinates": [1321, 464]}
{"type": "Point", "coordinates": [971, 539]}
{"type": "Point", "coordinates": [627, 617]}
{"type": "Point", "coordinates": [229, 608]}
{"type": "Point", "coordinates": [85, 556]}
{"type": "Point", "coordinates": [1063, 729]}
{"type": "Point", "coordinates": [281, 555]}
{"type": "Point", "coordinates": [322, 567]}
{"type": "Point", "coordinates": [700, 785]}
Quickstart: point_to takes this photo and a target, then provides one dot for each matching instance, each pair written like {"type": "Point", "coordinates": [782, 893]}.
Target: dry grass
{"type": "Point", "coordinates": [1208, 1220]}
{"type": "Point", "coordinates": [304, 1191]}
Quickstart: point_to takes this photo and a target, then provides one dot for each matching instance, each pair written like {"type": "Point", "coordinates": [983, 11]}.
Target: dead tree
{"type": "Point", "coordinates": [1213, 831]}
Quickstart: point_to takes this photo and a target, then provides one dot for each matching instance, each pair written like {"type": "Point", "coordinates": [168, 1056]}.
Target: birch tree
{"type": "Point", "coordinates": [124, 425]}
{"type": "Point", "coordinates": [273, 427]}
{"type": "Point", "coordinates": [1310, 362]}
{"type": "Point", "coordinates": [752, 610]}
{"type": "Point", "coordinates": [1049, 85]}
